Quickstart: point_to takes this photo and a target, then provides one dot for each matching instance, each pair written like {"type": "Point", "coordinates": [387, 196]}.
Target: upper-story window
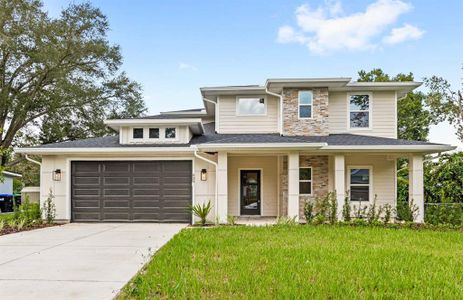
{"type": "Point", "coordinates": [138, 133]}
{"type": "Point", "coordinates": [154, 133]}
{"type": "Point", "coordinates": [305, 104]}
{"type": "Point", "coordinates": [251, 106]}
{"type": "Point", "coordinates": [170, 133]}
{"type": "Point", "coordinates": [359, 111]}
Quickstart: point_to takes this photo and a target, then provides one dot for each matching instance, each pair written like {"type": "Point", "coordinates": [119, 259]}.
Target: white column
{"type": "Point", "coordinates": [293, 185]}
{"type": "Point", "coordinates": [416, 189]}
{"type": "Point", "coordinates": [222, 187]}
{"type": "Point", "coordinates": [339, 182]}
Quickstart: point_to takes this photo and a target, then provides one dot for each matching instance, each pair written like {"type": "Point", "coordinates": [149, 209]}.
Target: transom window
{"type": "Point", "coordinates": [251, 106]}
{"type": "Point", "coordinates": [360, 183]}
{"type": "Point", "coordinates": [305, 180]}
{"type": "Point", "coordinates": [170, 133]}
{"type": "Point", "coordinates": [138, 133]}
{"type": "Point", "coordinates": [359, 111]}
{"type": "Point", "coordinates": [154, 133]}
{"type": "Point", "coordinates": [305, 104]}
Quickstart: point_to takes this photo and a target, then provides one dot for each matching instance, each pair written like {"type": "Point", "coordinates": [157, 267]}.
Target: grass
{"type": "Point", "coordinates": [304, 262]}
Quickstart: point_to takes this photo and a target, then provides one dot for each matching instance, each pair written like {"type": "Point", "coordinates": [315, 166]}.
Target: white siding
{"type": "Point", "coordinates": [384, 119]}
{"type": "Point", "coordinates": [229, 122]}
{"type": "Point", "coordinates": [183, 135]}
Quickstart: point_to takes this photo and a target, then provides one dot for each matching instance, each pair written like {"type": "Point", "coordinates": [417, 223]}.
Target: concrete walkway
{"type": "Point", "coordinates": [77, 261]}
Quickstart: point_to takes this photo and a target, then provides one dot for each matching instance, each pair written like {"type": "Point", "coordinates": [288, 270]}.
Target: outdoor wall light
{"type": "Point", "coordinates": [57, 175]}
{"type": "Point", "coordinates": [203, 175]}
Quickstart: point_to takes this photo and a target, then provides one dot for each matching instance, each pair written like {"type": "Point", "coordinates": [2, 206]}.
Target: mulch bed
{"type": "Point", "coordinates": [8, 230]}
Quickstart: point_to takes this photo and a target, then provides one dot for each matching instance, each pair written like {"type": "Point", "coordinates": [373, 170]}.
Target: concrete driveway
{"type": "Point", "coordinates": [77, 261]}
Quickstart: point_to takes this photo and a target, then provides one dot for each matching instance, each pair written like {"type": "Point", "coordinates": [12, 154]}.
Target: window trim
{"type": "Point", "coordinates": [305, 180]}
{"type": "Point", "coordinates": [237, 105]}
{"type": "Point", "coordinates": [159, 133]}
{"type": "Point", "coordinates": [142, 133]}
{"type": "Point", "coordinates": [370, 110]}
{"type": "Point", "coordinates": [299, 105]}
{"type": "Point", "coordinates": [165, 132]}
{"type": "Point", "coordinates": [370, 185]}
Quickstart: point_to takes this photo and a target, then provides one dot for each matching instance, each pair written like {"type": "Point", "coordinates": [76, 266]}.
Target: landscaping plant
{"type": "Point", "coordinates": [346, 209]}
{"type": "Point", "coordinates": [373, 213]}
{"type": "Point", "coordinates": [308, 211]}
{"type": "Point", "coordinates": [231, 220]}
{"type": "Point", "coordinates": [202, 211]}
{"type": "Point", "coordinates": [406, 211]}
{"type": "Point", "coordinates": [49, 208]}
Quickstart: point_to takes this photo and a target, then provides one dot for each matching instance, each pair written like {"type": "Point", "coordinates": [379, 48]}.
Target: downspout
{"type": "Point", "coordinates": [32, 160]}
{"type": "Point", "coordinates": [280, 96]}
{"type": "Point", "coordinates": [216, 179]}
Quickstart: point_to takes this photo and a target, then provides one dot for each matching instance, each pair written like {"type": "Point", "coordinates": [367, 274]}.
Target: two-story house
{"type": "Point", "coordinates": [251, 150]}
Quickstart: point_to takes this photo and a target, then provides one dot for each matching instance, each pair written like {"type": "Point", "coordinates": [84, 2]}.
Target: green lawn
{"type": "Point", "coordinates": [304, 262]}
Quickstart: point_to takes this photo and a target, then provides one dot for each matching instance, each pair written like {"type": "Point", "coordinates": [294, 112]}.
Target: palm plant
{"type": "Point", "coordinates": [202, 211]}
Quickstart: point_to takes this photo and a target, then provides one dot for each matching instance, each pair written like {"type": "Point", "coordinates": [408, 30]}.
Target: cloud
{"type": "Point", "coordinates": [185, 66]}
{"type": "Point", "coordinates": [402, 34]}
{"type": "Point", "coordinates": [327, 28]}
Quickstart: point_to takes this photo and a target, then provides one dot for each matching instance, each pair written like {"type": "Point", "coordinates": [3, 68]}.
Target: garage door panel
{"type": "Point", "coordinates": [155, 191]}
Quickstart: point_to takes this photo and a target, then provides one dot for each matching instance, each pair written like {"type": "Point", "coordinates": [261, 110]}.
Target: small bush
{"type": "Point", "coordinates": [373, 213]}
{"type": "Point", "coordinates": [444, 213]}
{"type": "Point", "coordinates": [325, 209]}
{"type": "Point", "coordinates": [202, 211]}
{"type": "Point", "coordinates": [346, 209]}
{"type": "Point", "coordinates": [406, 211]}
{"type": "Point", "coordinates": [360, 211]}
{"type": "Point", "coordinates": [308, 211]}
{"type": "Point", "coordinates": [2, 225]}
{"type": "Point", "coordinates": [231, 220]}
{"type": "Point", "coordinates": [49, 208]}
{"type": "Point", "coordinates": [388, 210]}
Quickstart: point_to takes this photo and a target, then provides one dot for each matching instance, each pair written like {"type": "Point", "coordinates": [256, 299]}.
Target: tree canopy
{"type": "Point", "coordinates": [59, 77]}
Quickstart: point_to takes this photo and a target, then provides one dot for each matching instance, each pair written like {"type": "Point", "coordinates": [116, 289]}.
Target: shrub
{"type": "Point", "coordinates": [231, 220]}
{"type": "Point", "coordinates": [406, 211]}
{"type": "Point", "coordinates": [2, 225]}
{"type": "Point", "coordinates": [360, 211]}
{"type": "Point", "coordinates": [29, 212]}
{"type": "Point", "coordinates": [444, 213]}
{"type": "Point", "coordinates": [374, 214]}
{"type": "Point", "coordinates": [202, 211]}
{"type": "Point", "coordinates": [325, 209]}
{"type": "Point", "coordinates": [387, 213]}
{"type": "Point", "coordinates": [308, 211]}
{"type": "Point", "coordinates": [49, 208]}
{"type": "Point", "coordinates": [346, 209]}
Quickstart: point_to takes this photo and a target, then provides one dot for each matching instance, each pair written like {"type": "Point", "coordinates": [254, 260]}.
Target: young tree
{"type": "Point", "coordinates": [60, 75]}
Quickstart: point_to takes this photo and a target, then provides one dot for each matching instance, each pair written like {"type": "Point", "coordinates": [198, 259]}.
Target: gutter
{"type": "Point", "coordinates": [32, 160]}
{"type": "Point", "coordinates": [216, 180]}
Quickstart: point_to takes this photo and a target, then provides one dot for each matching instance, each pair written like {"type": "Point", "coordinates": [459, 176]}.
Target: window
{"type": "Point", "coordinates": [138, 133]}
{"type": "Point", "coordinates": [305, 180]}
{"type": "Point", "coordinates": [305, 104]}
{"type": "Point", "coordinates": [154, 133]}
{"type": "Point", "coordinates": [251, 106]}
{"type": "Point", "coordinates": [360, 181]}
{"type": "Point", "coordinates": [359, 111]}
{"type": "Point", "coordinates": [170, 133]}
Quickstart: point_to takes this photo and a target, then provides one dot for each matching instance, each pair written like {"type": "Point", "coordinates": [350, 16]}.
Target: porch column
{"type": "Point", "coordinates": [293, 185]}
{"type": "Point", "coordinates": [222, 187]}
{"type": "Point", "coordinates": [415, 186]}
{"type": "Point", "coordinates": [339, 182]}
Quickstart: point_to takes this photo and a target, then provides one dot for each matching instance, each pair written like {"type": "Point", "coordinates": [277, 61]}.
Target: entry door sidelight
{"type": "Point", "coordinates": [250, 192]}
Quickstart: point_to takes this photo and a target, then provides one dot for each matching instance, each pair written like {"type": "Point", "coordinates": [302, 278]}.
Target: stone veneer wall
{"type": "Point", "coordinates": [284, 186]}
{"type": "Point", "coordinates": [317, 125]}
{"type": "Point", "coordinates": [319, 166]}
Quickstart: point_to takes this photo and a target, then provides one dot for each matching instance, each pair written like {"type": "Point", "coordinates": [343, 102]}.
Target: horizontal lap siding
{"type": "Point", "coordinates": [229, 122]}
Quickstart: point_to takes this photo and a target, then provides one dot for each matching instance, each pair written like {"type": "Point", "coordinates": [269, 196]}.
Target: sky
{"type": "Point", "coordinates": [172, 48]}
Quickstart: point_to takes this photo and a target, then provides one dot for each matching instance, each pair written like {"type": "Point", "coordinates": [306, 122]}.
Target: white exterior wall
{"type": "Point", "coordinates": [383, 116]}
{"type": "Point", "coordinates": [183, 135]}
{"type": "Point", "coordinates": [230, 122]}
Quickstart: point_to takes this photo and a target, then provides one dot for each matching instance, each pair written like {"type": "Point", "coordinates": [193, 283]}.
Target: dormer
{"type": "Point", "coordinates": [161, 129]}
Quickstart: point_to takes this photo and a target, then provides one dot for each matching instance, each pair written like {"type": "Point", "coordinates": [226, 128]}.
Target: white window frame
{"type": "Point", "coordinates": [170, 139]}
{"type": "Point", "coordinates": [305, 180]}
{"type": "Point", "coordinates": [370, 111]}
{"type": "Point", "coordinates": [370, 185]}
{"type": "Point", "coordinates": [299, 105]}
{"type": "Point", "coordinates": [159, 133]}
{"type": "Point", "coordinates": [237, 109]}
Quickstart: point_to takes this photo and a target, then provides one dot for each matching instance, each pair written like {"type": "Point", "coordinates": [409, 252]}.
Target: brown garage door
{"type": "Point", "coordinates": [131, 191]}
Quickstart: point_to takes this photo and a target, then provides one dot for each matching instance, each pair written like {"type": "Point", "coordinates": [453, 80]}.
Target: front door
{"type": "Point", "coordinates": [250, 192]}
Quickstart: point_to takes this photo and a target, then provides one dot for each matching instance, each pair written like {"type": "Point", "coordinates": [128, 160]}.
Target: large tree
{"type": "Point", "coordinates": [60, 76]}
{"type": "Point", "coordinates": [413, 120]}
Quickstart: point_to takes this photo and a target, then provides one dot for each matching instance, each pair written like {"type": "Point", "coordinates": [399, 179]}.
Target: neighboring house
{"type": "Point", "coordinates": [251, 150]}
{"type": "Point", "coordinates": [6, 183]}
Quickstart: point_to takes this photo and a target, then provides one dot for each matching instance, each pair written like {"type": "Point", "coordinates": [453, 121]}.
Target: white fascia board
{"type": "Point", "coordinates": [259, 146]}
{"type": "Point", "coordinates": [309, 80]}
{"type": "Point", "coordinates": [152, 121]}
{"type": "Point", "coordinates": [391, 148]}
{"type": "Point", "coordinates": [11, 174]}
{"type": "Point", "coordinates": [106, 150]}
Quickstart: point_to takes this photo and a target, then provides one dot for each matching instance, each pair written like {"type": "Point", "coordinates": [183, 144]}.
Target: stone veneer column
{"type": "Point", "coordinates": [293, 185]}
{"type": "Point", "coordinates": [339, 182]}
{"type": "Point", "coordinates": [222, 187]}
{"type": "Point", "coordinates": [416, 188]}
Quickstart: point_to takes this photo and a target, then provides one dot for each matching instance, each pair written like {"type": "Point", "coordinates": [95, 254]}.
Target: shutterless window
{"type": "Point", "coordinates": [251, 106]}
{"type": "Point", "coordinates": [305, 104]}
{"type": "Point", "coordinates": [154, 133]}
{"type": "Point", "coordinates": [305, 180]}
{"type": "Point", "coordinates": [170, 133]}
{"type": "Point", "coordinates": [138, 133]}
{"type": "Point", "coordinates": [360, 185]}
{"type": "Point", "coordinates": [359, 114]}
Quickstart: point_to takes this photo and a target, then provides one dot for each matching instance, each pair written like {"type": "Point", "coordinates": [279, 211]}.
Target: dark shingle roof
{"type": "Point", "coordinates": [213, 138]}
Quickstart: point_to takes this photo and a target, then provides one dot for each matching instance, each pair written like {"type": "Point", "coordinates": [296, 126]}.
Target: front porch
{"type": "Point", "coordinates": [279, 184]}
